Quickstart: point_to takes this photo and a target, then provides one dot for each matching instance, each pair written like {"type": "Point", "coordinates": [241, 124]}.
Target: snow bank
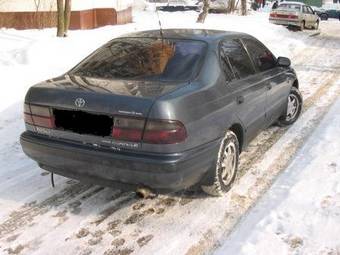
{"type": "Point", "coordinates": [300, 214]}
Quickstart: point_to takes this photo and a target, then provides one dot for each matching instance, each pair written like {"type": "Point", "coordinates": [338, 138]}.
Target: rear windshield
{"type": "Point", "coordinates": [144, 59]}
{"type": "Point", "coordinates": [295, 7]}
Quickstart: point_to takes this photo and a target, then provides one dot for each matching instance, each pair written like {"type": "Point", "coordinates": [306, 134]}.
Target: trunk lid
{"type": "Point", "coordinates": [112, 97]}
{"type": "Point", "coordinates": [84, 109]}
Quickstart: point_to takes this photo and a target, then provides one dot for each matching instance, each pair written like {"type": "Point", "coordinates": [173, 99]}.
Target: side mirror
{"type": "Point", "coordinates": [284, 62]}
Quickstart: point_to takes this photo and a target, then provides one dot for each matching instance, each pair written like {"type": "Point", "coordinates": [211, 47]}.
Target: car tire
{"type": "Point", "coordinates": [293, 109]}
{"type": "Point", "coordinates": [222, 176]}
{"type": "Point", "coordinates": [302, 25]}
{"type": "Point", "coordinates": [324, 17]}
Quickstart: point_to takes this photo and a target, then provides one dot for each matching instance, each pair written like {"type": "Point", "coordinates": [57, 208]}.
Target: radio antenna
{"type": "Point", "coordinates": [160, 24]}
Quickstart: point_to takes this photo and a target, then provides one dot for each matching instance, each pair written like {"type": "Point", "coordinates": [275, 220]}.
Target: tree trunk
{"type": "Point", "coordinates": [204, 13]}
{"type": "Point", "coordinates": [231, 6]}
{"type": "Point", "coordinates": [67, 16]}
{"type": "Point", "coordinates": [61, 25]}
{"type": "Point", "coordinates": [243, 7]}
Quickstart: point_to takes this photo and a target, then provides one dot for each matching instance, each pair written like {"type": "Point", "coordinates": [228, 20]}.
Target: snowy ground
{"type": "Point", "coordinates": [76, 218]}
{"type": "Point", "coordinates": [300, 214]}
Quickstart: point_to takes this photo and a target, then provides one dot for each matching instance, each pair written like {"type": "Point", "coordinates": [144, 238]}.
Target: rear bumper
{"type": "Point", "coordinates": [106, 167]}
{"type": "Point", "coordinates": [285, 22]}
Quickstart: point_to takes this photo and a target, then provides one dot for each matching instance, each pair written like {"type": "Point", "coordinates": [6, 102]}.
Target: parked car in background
{"type": "Point", "coordinates": [294, 14]}
{"type": "Point", "coordinates": [332, 13]}
{"type": "Point", "coordinates": [218, 6]}
{"type": "Point", "coordinates": [164, 111]}
{"type": "Point", "coordinates": [179, 5]}
{"type": "Point", "coordinates": [322, 13]}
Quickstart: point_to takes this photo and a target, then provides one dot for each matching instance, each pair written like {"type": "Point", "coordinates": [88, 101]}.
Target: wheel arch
{"type": "Point", "coordinates": [296, 84]}
{"type": "Point", "coordinates": [239, 132]}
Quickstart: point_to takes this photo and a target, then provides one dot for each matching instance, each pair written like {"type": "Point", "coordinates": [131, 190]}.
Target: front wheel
{"type": "Point", "coordinates": [324, 17]}
{"type": "Point", "coordinates": [223, 175]}
{"type": "Point", "coordinates": [293, 108]}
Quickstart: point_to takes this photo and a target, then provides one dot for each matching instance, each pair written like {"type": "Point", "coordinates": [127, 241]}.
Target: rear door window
{"type": "Point", "coordinates": [262, 58]}
{"type": "Point", "coordinates": [144, 59]}
{"type": "Point", "coordinates": [295, 7]}
{"type": "Point", "coordinates": [310, 10]}
{"type": "Point", "coordinates": [237, 58]}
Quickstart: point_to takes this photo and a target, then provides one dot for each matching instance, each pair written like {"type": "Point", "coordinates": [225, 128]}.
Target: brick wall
{"type": "Point", "coordinates": [85, 19]}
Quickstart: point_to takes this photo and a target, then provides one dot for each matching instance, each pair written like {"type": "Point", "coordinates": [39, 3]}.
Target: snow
{"type": "Point", "coordinates": [40, 220]}
{"type": "Point", "coordinates": [51, 5]}
{"type": "Point", "coordinates": [300, 214]}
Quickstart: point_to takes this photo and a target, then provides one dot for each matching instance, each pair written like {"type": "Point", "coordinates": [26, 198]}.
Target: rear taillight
{"type": "Point", "coordinates": [28, 119]}
{"type": "Point", "coordinates": [153, 132]}
{"type": "Point", "coordinates": [47, 122]}
{"type": "Point", "coordinates": [292, 17]}
{"type": "Point", "coordinates": [128, 129]}
{"type": "Point", "coordinates": [273, 15]}
{"type": "Point", "coordinates": [39, 116]}
{"type": "Point", "coordinates": [40, 111]}
{"type": "Point", "coordinates": [164, 132]}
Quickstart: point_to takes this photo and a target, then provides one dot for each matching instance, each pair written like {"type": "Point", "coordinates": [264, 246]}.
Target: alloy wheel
{"type": "Point", "coordinates": [292, 107]}
{"type": "Point", "coordinates": [228, 163]}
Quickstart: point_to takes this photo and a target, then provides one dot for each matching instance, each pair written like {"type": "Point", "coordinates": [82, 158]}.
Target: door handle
{"type": "Point", "coordinates": [269, 86]}
{"type": "Point", "coordinates": [240, 99]}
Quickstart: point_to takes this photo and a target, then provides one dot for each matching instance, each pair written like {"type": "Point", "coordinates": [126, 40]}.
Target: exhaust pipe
{"type": "Point", "coordinates": [145, 193]}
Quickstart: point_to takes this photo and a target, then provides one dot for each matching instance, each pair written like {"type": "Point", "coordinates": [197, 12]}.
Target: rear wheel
{"type": "Point", "coordinates": [302, 25]}
{"type": "Point", "coordinates": [224, 174]}
{"type": "Point", "coordinates": [293, 110]}
{"type": "Point", "coordinates": [324, 17]}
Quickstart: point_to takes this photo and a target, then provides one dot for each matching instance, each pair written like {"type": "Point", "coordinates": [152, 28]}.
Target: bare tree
{"type": "Point", "coordinates": [201, 18]}
{"type": "Point", "coordinates": [231, 6]}
{"type": "Point", "coordinates": [243, 7]}
{"type": "Point", "coordinates": [64, 17]}
{"type": "Point", "coordinates": [67, 16]}
{"type": "Point", "coordinates": [61, 26]}
{"type": "Point", "coordinates": [37, 5]}
{"type": "Point", "coordinates": [36, 16]}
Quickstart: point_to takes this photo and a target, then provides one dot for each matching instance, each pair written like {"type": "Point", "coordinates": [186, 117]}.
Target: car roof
{"type": "Point", "coordinates": [292, 2]}
{"type": "Point", "coordinates": [194, 34]}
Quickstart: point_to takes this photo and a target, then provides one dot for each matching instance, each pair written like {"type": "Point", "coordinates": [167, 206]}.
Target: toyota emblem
{"type": "Point", "coordinates": [80, 102]}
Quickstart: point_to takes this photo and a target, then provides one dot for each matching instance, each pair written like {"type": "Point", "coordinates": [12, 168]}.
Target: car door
{"type": "Point", "coordinates": [245, 86]}
{"type": "Point", "coordinates": [310, 17]}
{"type": "Point", "coordinates": [276, 82]}
{"type": "Point", "coordinates": [305, 15]}
{"type": "Point", "coordinates": [313, 17]}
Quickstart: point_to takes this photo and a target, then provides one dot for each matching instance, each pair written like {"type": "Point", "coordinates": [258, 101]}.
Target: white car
{"type": "Point", "coordinates": [295, 14]}
{"type": "Point", "coordinates": [218, 6]}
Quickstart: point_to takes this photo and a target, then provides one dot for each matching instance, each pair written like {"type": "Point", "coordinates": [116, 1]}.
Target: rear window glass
{"type": "Point", "coordinates": [295, 7]}
{"type": "Point", "coordinates": [144, 59]}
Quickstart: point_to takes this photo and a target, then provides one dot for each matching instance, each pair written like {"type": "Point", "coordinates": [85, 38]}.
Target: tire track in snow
{"type": "Point", "coordinates": [26, 214]}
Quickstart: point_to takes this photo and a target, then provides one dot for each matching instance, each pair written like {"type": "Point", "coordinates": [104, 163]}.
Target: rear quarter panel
{"type": "Point", "coordinates": [205, 107]}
